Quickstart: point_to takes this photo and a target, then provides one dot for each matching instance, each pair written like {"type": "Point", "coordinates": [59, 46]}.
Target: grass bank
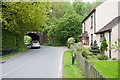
{"type": "Point", "coordinates": [71, 71]}
{"type": "Point", "coordinates": [20, 50]}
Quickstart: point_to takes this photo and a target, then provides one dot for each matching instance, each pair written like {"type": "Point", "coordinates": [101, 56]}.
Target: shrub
{"type": "Point", "coordinates": [79, 44]}
{"type": "Point", "coordinates": [102, 57]}
{"type": "Point", "coordinates": [85, 51]}
{"type": "Point", "coordinates": [84, 54]}
{"type": "Point", "coordinates": [95, 48]}
{"type": "Point", "coordinates": [70, 41]}
{"type": "Point", "coordinates": [93, 56]}
{"type": "Point", "coordinates": [11, 40]}
{"type": "Point", "coordinates": [103, 46]}
{"type": "Point", "coordinates": [113, 58]}
{"type": "Point", "coordinates": [105, 57]}
{"type": "Point", "coordinates": [95, 53]}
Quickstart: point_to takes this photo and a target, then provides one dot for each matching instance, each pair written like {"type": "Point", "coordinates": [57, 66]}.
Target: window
{"type": "Point", "coordinates": [91, 38]}
{"type": "Point", "coordinates": [91, 21]}
{"type": "Point", "coordinates": [101, 37]}
{"type": "Point", "coordinates": [84, 27]}
{"type": "Point", "coordinates": [85, 41]}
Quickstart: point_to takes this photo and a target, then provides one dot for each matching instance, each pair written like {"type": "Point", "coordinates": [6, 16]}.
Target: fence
{"type": "Point", "coordinates": [8, 51]}
{"type": "Point", "coordinates": [87, 68]}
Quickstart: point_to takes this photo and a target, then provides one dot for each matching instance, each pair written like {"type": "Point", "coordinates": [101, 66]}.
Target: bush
{"type": "Point", "coordinates": [102, 57]}
{"type": "Point", "coordinates": [11, 40]}
{"type": "Point", "coordinates": [104, 45]}
{"type": "Point", "coordinates": [84, 54]}
{"type": "Point", "coordinates": [95, 48]}
{"type": "Point", "coordinates": [113, 58]}
{"type": "Point", "coordinates": [105, 57]}
{"type": "Point", "coordinates": [95, 53]}
{"type": "Point", "coordinates": [93, 56]}
{"type": "Point", "coordinates": [79, 44]}
{"type": "Point", "coordinates": [85, 51]}
{"type": "Point", "coordinates": [70, 41]}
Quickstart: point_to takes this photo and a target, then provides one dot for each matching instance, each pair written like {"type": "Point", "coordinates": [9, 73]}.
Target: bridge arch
{"type": "Point", "coordinates": [34, 36]}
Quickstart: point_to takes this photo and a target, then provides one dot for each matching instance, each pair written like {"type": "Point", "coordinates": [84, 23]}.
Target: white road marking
{"type": "Point", "coordinates": [60, 68]}
{"type": "Point", "coordinates": [16, 68]}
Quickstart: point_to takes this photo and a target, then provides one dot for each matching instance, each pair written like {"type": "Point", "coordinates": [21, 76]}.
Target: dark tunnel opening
{"type": "Point", "coordinates": [34, 36]}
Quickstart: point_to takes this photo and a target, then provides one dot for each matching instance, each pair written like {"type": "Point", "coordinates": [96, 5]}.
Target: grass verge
{"type": "Point", "coordinates": [9, 56]}
{"type": "Point", "coordinates": [71, 71]}
{"type": "Point", "coordinates": [109, 69]}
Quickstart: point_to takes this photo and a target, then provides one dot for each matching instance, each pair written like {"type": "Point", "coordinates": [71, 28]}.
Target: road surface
{"type": "Point", "coordinates": [45, 62]}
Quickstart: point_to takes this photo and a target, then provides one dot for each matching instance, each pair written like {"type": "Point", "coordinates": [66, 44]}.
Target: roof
{"type": "Point", "coordinates": [85, 35]}
{"type": "Point", "coordinates": [89, 15]}
{"type": "Point", "coordinates": [92, 11]}
{"type": "Point", "coordinates": [110, 25]}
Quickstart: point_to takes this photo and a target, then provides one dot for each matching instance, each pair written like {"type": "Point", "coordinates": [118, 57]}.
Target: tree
{"type": "Point", "coordinates": [65, 20]}
{"type": "Point", "coordinates": [83, 9]}
{"type": "Point", "coordinates": [67, 27]}
{"type": "Point", "coordinates": [95, 48]}
{"type": "Point", "coordinates": [57, 10]}
{"type": "Point", "coordinates": [103, 46]}
{"type": "Point", "coordinates": [19, 17]}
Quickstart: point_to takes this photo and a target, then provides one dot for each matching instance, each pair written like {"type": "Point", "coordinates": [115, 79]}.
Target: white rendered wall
{"type": "Point", "coordinates": [114, 37]}
{"type": "Point", "coordinates": [105, 13]}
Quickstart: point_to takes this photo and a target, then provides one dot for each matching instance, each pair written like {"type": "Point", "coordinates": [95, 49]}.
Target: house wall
{"type": "Point", "coordinates": [105, 13]}
{"type": "Point", "coordinates": [88, 28]}
{"type": "Point", "coordinates": [97, 38]}
{"type": "Point", "coordinates": [114, 37]}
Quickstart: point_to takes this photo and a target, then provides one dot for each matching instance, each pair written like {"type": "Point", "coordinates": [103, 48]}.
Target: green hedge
{"type": "Point", "coordinates": [8, 39]}
{"type": "Point", "coordinates": [11, 40]}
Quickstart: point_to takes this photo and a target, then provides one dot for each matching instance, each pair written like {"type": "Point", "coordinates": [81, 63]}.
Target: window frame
{"type": "Point", "coordinates": [85, 41]}
{"type": "Point", "coordinates": [91, 21]}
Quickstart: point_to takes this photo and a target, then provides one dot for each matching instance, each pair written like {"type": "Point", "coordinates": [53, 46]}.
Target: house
{"type": "Point", "coordinates": [101, 21]}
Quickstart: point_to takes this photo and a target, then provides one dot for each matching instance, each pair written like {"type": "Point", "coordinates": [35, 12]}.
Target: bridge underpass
{"type": "Point", "coordinates": [33, 36]}
{"type": "Point", "coordinates": [40, 36]}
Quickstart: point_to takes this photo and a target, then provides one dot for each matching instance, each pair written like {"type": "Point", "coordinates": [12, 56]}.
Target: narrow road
{"type": "Point", "coordinates": [45, 62]}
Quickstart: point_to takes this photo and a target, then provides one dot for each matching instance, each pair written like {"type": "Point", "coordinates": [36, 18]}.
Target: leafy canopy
{"type": "Point", "coordinates": [19, 17]}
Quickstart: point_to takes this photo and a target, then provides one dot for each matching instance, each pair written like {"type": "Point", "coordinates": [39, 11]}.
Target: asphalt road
{"type": "Point", "coordinates": [45, 62]}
